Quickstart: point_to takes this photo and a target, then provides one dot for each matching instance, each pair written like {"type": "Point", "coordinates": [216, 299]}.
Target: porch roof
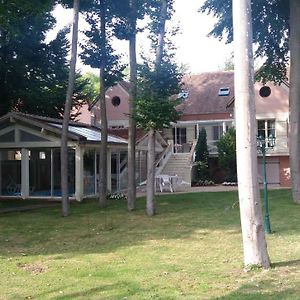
{"type": "Point", "coordinates": [80, 132]}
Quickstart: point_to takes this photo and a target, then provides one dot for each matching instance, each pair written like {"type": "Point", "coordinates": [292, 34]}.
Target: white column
{"type": "Point", "coordinates": [175, 139]}
{"type": "Point", "coordinates": [79, 173]}
{"type": "Point", "coordinates": [224, 128]}
{"type": "Point", "coordinates": [109, 169]}
{"type": "Point", "coordinates": [52, 172]}
{"type": "Point", "coordinates": [118, 171]}
{"type": "Point", "coordinates": [24, 173]}
{"type": "Point", "coordinates": [95, 171]}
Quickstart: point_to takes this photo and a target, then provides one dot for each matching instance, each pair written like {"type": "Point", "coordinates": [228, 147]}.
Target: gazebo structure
{"type": "Point", "coordinates": [30, 158]}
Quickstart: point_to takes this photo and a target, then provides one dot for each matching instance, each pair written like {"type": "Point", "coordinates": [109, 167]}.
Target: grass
{"type": "Point", "coordinates": [191, 249]}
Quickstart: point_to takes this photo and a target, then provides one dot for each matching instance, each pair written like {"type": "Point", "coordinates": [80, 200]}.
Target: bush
{"type": "Point", "coordinates": [227, 154]}
{"type": "Point", "coordinates": [116, 196]}
{"type": "Point", "coordinates": [203, 183]}
{"type": "Point", "coordinates": [201, 156]}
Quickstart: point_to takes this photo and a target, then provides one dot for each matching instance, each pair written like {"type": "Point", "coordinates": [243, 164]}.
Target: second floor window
{"type": "Point", "coordinates": [265, 128]}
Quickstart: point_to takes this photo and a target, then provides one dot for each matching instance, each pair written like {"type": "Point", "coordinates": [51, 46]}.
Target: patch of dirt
{"type": "Point", "coordinates": [33, 268]}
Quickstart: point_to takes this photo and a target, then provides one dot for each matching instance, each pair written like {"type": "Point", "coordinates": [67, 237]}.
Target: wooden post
{"type": "Point", "coordinates": [79, 189]}
{"type": "Point", "coordinates": [24, 173]}
{"type": "Point", "coordinates": [109, 169]}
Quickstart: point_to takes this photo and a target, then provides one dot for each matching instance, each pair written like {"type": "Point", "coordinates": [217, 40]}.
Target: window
{"type": "Point", "coordinates": [42, 155]}
{"type": "Point", "coordinates": [265, 91]}
{"type": "Point", "coordinates": [217, 132]}
{"type": "Point", "coordinates": [225, 91]}
{"type": "Point", "coordinates": [183, 95]}
{"type": "Point", "coordinates": [179, 135]}
{"type": "Point", "coordinates": [266, 128]}
{"type": "Point", "coordinates": [115, 101]}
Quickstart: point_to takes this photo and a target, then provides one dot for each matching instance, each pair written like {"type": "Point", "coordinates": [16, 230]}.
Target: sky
{"type": "Point", "coordinates": [194, 49]}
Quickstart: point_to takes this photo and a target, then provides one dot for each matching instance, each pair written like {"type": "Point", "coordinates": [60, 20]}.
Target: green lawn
{"type": "Point", "coordinates": [190, 250]}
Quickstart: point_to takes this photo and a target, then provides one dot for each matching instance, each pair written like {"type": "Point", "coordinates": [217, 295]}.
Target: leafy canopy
{"type": "Point", "coordinates": [158, 78]}
{"type": "Point", "coordinates": [227, 153]}
{"type": "Point", "coordinates": [270, 32]}
{"type": "Point", "coordinates": [201, 156]}
{"type": "Point", "coordinates": [33, 73]}
{"type": "Point", "coordinates": [97, 49]}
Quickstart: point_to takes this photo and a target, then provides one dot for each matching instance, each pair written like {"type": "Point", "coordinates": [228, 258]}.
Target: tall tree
{"type": "Point", "coordinates": [131, 197]}
{"type": "Point", "coordinates": [33, 72]}
{"type": "Point", "coordinates": [294, 98]}
{"type": "Point", "coordinates": [104, 134]}
{"type": "Point", "coordinates": [98, 53]}
{"type": "Point", "coordinates": [201, 156]}
{"type": "Point", "coordinates": [255, 247]}
{"type": "Point", "coordinates": [275, 32]}
{"type": "Point", "coordinates": [158, 81]}
{"type": "Point", "coordinates": [68, 106]}
{"type": "Point", "coordinates": [130, 11]}
{"type": "Point", "coordinates": [227, 154]}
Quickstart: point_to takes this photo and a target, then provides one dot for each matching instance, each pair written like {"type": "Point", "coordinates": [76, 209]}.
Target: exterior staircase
{"type": "Point", "coordinates": [179, 164]}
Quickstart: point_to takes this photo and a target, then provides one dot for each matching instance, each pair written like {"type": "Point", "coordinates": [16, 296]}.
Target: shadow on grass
{"type": "Point", "coordinates": [89, 229]}
{"type": "Point", "coordinates": [247, 292]}
{"type": "Point", "coordinates": [290, 263]}
{"type": "Point", "coordinates": [129, 289]}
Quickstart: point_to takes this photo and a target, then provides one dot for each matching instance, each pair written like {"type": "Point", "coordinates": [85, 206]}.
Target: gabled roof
{"type": "Point", "coordinates": [203, 93]}
{"type": "Point", "coordinates": [124, 84]}
{"type": "Point", "coordinates": [80, 132]}
{"type": "Point", "coordinates": [140, 135]}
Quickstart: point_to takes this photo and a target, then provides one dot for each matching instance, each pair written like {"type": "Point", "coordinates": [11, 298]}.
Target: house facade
{"type": "Point", "coordinates": [30, 158]}
{"type": "Point", "coordinates": [207, 101]}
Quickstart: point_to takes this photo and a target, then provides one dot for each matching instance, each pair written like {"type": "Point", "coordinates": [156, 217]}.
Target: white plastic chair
{"type": "Point", "coordinates": [165, 182]}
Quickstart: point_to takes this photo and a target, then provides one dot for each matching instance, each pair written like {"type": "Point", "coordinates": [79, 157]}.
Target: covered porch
{"type": "Point", "coordinates": [185, 133]}
{"type": "Point", "coordinates": [30, 158]}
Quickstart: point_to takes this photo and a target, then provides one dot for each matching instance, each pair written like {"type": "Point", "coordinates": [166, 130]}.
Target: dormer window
{"type": "Point", "coordinates": [225, 91]}
{"type": "Point", "coordinates": [183, 95]}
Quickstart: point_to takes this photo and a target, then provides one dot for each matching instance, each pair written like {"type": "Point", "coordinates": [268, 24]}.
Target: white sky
{"type": "Point", "coordinates": [194, 48]}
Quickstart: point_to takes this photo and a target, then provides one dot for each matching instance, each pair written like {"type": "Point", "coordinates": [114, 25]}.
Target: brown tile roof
{"type": "Point", "coordinates": [203, 92]}
{"type": "Point", "coordinates": [123, 133]}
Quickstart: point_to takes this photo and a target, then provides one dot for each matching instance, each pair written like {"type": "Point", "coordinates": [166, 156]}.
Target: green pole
{"type": "Point", "coordinates": [267, 225]}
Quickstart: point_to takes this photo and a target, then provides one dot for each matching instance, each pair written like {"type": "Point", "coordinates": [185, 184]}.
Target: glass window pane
{"type": "Point", "coordinates": [40, 172]}
{"type": "Point", "coordinates": [10, 171]}
{"type": "Point", "coordinates": [89, 172]}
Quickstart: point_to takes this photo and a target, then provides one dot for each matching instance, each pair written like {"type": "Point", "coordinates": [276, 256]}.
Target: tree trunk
{"type": "Point", "coordinates": [68, 106]}
{"type": "Point", "coordinates": [294, 137]}
{"type": "Point", "coordinates": [151, 133]}
{"type": "Point", "coordinates": [132, 99]}
{"type": "Point", "coordinates": [103, 149]}
{"type": "Point", "coordinates": [151, 173]}
{"type": "Point", "coordinates": [162, 30]}
{"type": "Point", "coordinates": [254, 243]}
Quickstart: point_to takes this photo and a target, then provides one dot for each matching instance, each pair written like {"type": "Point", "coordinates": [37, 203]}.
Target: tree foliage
{"type": "Point", "coordinates": [33, 73]}
{"type": "Point", "coordinates": [155, 108]}
{"type": "Point", "coordinates": [94, 53]}
{"type": "Point", "coordinates": [158, 77]}
{"type": "Point", "coordinates": [227, 154]}
{"type": "Point", "coordinates": [201, 156]}
{"type": "Point", "coordinates": [270, 32]}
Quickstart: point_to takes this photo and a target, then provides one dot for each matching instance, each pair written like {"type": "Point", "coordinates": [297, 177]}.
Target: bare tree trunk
{"type": "Point", "coordinates": [151, 133]}
{"type": "Point", "coordinates": [162, 30]}
{"type": "Point", "coordinates": [254, 243]}
{"type": "Point", "coordinates": [294, 137]}
{"type": "Point", "coordinates": [68, 106]}
{"type": "Point", "coordinates": [132, 99]}
{"type": "Point", "coordinates": [151, 173]}
{"type": "Point", "coordinates": [103, 149]}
